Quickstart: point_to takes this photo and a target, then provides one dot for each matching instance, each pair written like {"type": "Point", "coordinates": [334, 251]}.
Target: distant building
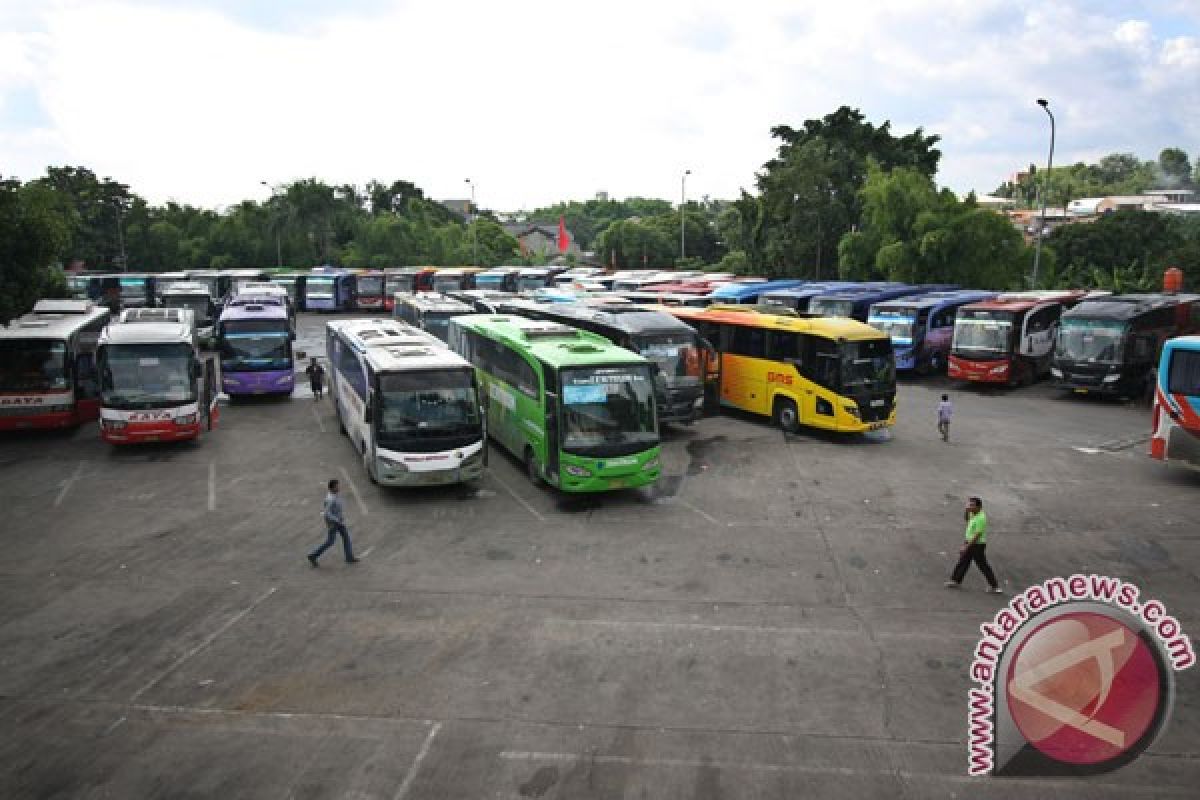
{"type": "Point", "coordinates": [540, 239]}
{"type": "Point", "coordinates": [458, 206]}
{"type": "Point", "coordinates": [602, 196]}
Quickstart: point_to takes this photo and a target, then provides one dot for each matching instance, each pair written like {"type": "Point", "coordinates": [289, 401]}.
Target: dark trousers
{"type": "Point", "coordinates": [977, 553]}
{"type": "Point", "coordinates": [334, 532]}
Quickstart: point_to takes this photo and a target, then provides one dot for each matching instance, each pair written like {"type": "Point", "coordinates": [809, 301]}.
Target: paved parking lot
{"type": "Point", "coordinates": [768, 621]}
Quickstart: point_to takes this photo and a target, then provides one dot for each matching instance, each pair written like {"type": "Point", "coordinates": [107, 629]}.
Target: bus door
{"type": "Point", "coordinates": [550, 381]}
{"type": "Point", "coordinates": [1040, 334]}
{"type": "Point", "coordinates": [87, 386]}
{"type": "Point", "coordinates": [208, 394]}
{"type": "Point", "coordinates": [744, 371]}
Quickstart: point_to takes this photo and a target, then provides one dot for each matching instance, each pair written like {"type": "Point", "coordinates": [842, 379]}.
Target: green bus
{"type": "Point", "coordinates": [576, 409]}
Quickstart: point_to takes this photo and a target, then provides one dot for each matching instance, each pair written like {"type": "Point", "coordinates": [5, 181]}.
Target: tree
{"type": "Point", "coordinates": [1126, 240]}
{"type": "Point", "coordinates": [1175, 166]}
{"type": "Point", "coordinates": [33, 232]}
{"type": "Point", "coordinates": [633, 244]}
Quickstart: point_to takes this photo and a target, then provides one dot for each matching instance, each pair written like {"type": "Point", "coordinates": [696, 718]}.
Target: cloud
{"type": "Point", "coordinates": [539, 101]}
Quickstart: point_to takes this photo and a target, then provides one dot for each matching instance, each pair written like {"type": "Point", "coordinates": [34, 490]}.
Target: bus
{"type": "Point", "coordinates": [503, 279]}
{"type": "Point", "coordinates": [154, 386]}
{"type": "Point", "coordinates": [1176, 421]}
{"type": "Point", "coordinates": [328, 289]}
{"type": "Point", "coordinates": [293, 284]}
{"type": "Point", "coordinates": [407, 402]}
{"type": "Point", "coordinates": [48, 376]}
{"type": "Point", "coordinates": [211, 280]}
{"type": "Point", "coordinates": [430, 312]}
{"type": "Point", "coordinates": [676, 350]}
{"type": "Point", "coordinates": [797, 298]}
{"type": "Point", "coordinates": [832, 373]}
{"type": "Point", "coordinates": [1108, 345]}
{"type": "Point", "coordinates": [1009, 339]}
{"type": "Point", "coordinates": [164, 279]}
{"type": "Point", "coordinates": [193, 296]}
{"type": "Point", "coordinates": [137, 291]}
{"type": "Point", "coordinates": [398, 280]}
{"type": "Point", "coordinates": [750, 292]}
{"type": "Point", "coordinates": [921, 327]}
{"type": "Point", "coordinates": [367, 289]}
{"type": "Point", "coordinates": [454, 279]}
{"type": "Point", "coordinates": [856, 303]}
{"type": "Point", "coordinates": [531, 279]}
{"type": "Point", "coordinates": [264, 289]}
{"type": "Point", "coordinates": [254, 339]}
{"type": "Point", "coordinates": [575, 409]}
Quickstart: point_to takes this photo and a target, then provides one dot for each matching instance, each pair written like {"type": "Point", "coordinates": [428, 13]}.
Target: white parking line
{"type": "Point", "coordinates": [366, 552]}
{"type": "Point", "coordinates": [212, 486]}
{"type": "Point", "coordinates": [354, 491]}
{"type": "Point", "coordinates": [317, 417]}
{"type": "Point", "coordinates": [518, 498]}
{"type": "Point", "coordinates": [699, 511]}
{"type": "Point", "coordinates": [406, 786]}
{"type": "Point", "coordinates": [62, 494]}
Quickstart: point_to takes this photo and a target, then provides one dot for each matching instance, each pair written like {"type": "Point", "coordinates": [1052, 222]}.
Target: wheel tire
{"type": "Point", "coordinates": [531, 468]}
{"type": "Point", "coordinates": [787, 416]}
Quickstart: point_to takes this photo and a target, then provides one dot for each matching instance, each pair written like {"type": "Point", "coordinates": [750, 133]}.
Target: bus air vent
{"type": "Point", "coordinates": [40, 323]}
{"type": "Point", "coordinates": [582, 348]}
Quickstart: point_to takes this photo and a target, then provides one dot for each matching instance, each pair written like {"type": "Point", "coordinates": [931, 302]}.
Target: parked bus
{"type": "Point", "coordinates": [856, 303]}
{"type": "Point", "coordinates": [328, 289]}
{"type": "Point", "coordinates": [430, 312]}
{"type": "Point", "coordinates": [211, 280]}
{"type": "Point", "coordinates": [482, 301]}
{"type": "Point", "coordinates": [1108, 345]}
{"type": "Point", "coordinates": [367, 289]}
{"type": "Point", "coordinates": [577, 410]}
{"type": "Point", "coordinates": [832, 373]}
{"type": "Point", "coordinates": [502, 279]}
{"type": "Point", "coordinates": [1176, 421]}
{"type": "Point", "coordinates": [137, 291]}
{"type": "Point", "coordinates": [48, 375]}
{"type": "Point", "coordinates": [751, 292]}
{"type": "Point", "coordinates": [263, 289]}
{"type": "Point", "coordinates": [193, 296]}
{"type": "Point", "coordinates": [798, 298]}
{"type": "Point", "coordinates": [454, 279]}
{"type": "Point", "coordinates": [254, 339]}
{"type": "Point", "coordinates": [164, 279]}
{"type": "Point", "coordinates": [531, 279]}
{"type": "Point", "coordinates": [154, 386]}
{"type": "Point", "coordinates": [293, 284]}
{"type": "Point", "coordinates": [408, 403]}
{"type": "Point", "coordinates": [921, 327]}
{"type": "Point", "coordinates": [1009, 339]}
{"type": "Point", "coordinates": [676, 350]}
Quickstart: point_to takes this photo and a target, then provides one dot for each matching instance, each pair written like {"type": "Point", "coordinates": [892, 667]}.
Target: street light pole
{"type": "Point", "coordinates": [682, 218]}
{"type": "Point", "coordinates": [278, 249]}
{"type": "Point", "coordinates": [1037, 251]}
{"type": "Point", "coordinates": [474, 227]}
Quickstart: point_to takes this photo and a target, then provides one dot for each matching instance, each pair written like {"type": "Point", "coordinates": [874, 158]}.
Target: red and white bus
{"type": "Point", "coordinates": [154, 386]}
{"type": "Point", "coordinates": [48, 366]}
{"type": "Point", "coordinates": [1175, 436]}
{"type": "Point", "coordinates": [1009, 339]}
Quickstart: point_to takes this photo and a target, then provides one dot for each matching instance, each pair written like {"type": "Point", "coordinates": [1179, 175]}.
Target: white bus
{"type": "Point", "coordinates": [429, 311]}
{"type": "Point", "coordinates": [409, 405]}
{"type": "Point", "coordinates": [48, 365]}
{"type": "Point", "coordinates": [154, 386]}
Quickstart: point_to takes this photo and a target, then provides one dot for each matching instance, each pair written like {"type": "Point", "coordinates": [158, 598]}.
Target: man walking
{"type": "Point", "coordinates": [316, 378]}
{"type": "Point", "coordinates": [974, 548]}
{"type": "Point", "coordinates": [945, 411]}
{"type": "Point", "coordinates": [335, 523]}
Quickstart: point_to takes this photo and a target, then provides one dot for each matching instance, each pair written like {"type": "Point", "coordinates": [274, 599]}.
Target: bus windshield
{"type": "Point", "coordinates": [676, 354]}
{"type": "Point", "coordinates": [249, 345]}
{"type": "Point", "coordinates": [897, 325]}
{"type": "Point", "coordinates": [868, 365]}
{"type": "Point", "coordinates": [826, 307]}
{"type": "Point", "coordinates": [451, 283]}
{"type": "Point", "coordinates": [490, 281]}
{"type": "Point", "coordinates": [32, 365]}
{"type": "Point", "coordinates": [136, 376]}
{"type": "Point", "coordinates": [607, 411]}
{"type": "Point", "coordinates": [428, 404]}
{"type": "Point", "coordinates": [400, 283]}
{"type": "Point", "coordinates": [319, 287]}
{"type": "Point", "coordinates": [370, 285]}
{"type": "Point", "coordinates": [1183, 375]}
{"type": "Point", "coordinates": [987, 331]}
{"type": "Point", "coordinates": [1091, 340]}
{"type": "Point", "coordinates": [530, 283]}
{"type": "Point", "coordinates": [437, 323]}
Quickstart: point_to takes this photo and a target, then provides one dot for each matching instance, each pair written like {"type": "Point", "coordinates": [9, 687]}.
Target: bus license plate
{"type": "Point", "coordinates": [616, 483]}
{"type": "Point", "coordinates": [1081, 391]}
{"type": "Point", "coordinates": [151, 439]}
{"type": "Point", "coordinates": [878, 426]}
{"type": "Point", "coordinates": [877, 404]}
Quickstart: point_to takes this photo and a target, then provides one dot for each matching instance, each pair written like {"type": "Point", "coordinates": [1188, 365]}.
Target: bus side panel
{"type": "Point", "coordinates": [743, 383]}
{"type": "Point", "coordinates": [502, 415]}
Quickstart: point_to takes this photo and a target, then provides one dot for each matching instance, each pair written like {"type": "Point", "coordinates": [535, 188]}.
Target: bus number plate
{"type": "Point", "coordinates": [616, 483]}
{"type": "Point", "coordinates": [877, 403]}
{"type": "Point", "coordinates": [878, 426]}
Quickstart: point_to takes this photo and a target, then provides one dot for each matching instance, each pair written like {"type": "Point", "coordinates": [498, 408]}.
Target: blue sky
{"type": "Point", "coordinates": [200, 100]}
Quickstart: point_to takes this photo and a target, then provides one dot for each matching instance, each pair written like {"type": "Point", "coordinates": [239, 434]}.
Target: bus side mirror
{"type": "Point", "coordinates": [368, 408]}
{"type": "Point", "coordinates": [197, 370]}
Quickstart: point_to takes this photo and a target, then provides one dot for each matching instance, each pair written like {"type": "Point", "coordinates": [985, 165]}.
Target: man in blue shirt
{"type": "Point", "coordinates": [335, 524]}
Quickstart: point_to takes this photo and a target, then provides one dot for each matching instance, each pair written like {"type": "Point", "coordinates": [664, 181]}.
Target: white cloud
{"type": "Point", "coordinates": [539, 101]}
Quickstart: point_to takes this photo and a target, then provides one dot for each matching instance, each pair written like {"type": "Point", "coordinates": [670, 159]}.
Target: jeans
{"type": "Point", "coordinates": [974, 552]}
{"type": "Point", "coordinates": [334, 531]}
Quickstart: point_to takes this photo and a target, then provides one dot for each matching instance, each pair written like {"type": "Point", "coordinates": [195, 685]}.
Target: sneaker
{"type": "Point", "coordinates": [994, 590]}
{"type": "Point", "coordinates": [312, 560]}
{"type": "Point", "coordinates": [952, 584]}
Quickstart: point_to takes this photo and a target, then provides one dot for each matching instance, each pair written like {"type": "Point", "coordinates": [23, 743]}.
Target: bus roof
{"type": "Point", "coordinates": [882, 293]}
{"type": "Point", "coordinates": [45, 325]}
{"type": "Point", "coordinates": [166, 332]}
{"type": "Point", "coordinates": [626, 318]}
{"type": "Point", "coordinates": [1023, 301]}
{"type": "Point", "coordinates": [924, 302]}
{"type": "Point", "coordinates": [432, 301]}
{"type": "Point", "coordinates": [1127, 306]}
{"type": "Point", "coordinates": [185, 288]}
{"type": "Point", "coordinates": [253, 310]}
{"type": "Point", "coordinates": [1191, 342]}
{"type": "Point", "coordinates": [390, 345]}
{"type": "Point", "coordinates": [63, 306]}
{"type": "Point", "coordinates": [732, 291]}
{"type": "Point", "coordinates": [150, 316]}
{"type": "Point", "coordinates": [552, 343]}
{"type": "Point", "coordinates": [827, 327]}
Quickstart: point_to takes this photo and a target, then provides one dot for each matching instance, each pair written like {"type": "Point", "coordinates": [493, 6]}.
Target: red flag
{"type": "Point", "coordinates": [563, 241]}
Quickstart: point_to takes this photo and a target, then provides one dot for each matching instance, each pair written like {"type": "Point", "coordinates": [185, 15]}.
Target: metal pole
{"type": "Point", "coordinates": [121, 240]}
{"type": "Point", "coordinates": [275, 212]}
{"type": "Point", "coordinates": [682, 217]}
{"type": "Point", "coordinates": [471, 222]}
{"type": "Point", "coordinates": [1037, 251]}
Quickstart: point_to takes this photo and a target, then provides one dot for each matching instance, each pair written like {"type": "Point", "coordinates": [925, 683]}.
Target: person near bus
{"type": "Point", "coordinates": [335, 525]}
{"type": "Point", "coordinates": [945, 411]}
{"type": "Point", "coordinates": [316, 378]}
{"type": "Point", "coordinates": [974, 548]}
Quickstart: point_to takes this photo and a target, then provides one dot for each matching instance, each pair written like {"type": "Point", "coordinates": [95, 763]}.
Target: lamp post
{"type": "Point", "coordinates": [1037, 251]}
{"type": "Point", "coordinates": [682, 217]}
{"type": "Point", "coordinates": [278, 248]}
{"type": "Point", "coordinates": [474, 228]}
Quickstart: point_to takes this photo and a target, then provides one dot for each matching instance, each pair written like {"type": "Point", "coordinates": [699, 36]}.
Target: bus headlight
{"type": "Point", "coordinates": [654, 463]}
{"type": "Point", "coordinates": [1111, 378]}
{"type": "Point", "coordinates": [1056, 372]}
{"type": "Point", "coordinates": [283, 379]}
{"type": "Point", "coordinates": [577, 472]}
{"type": "Point", "coordinates": [114, 424]}
{"type": "Point", "coordinates": [392, 464]}
{"type": "Point", "coordinates": [1000, 369]}
{"type": "Point", "coordinates": [186, 419]}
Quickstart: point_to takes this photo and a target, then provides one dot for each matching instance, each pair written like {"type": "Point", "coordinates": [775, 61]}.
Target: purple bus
{"type": "Point", "coordinates": [254, 338]}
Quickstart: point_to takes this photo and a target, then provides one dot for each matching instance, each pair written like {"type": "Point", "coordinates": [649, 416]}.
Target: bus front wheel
{"type": "Point", "coordinates": [532, 471]}
{"type": "Point", "coordinates": [787, 417]}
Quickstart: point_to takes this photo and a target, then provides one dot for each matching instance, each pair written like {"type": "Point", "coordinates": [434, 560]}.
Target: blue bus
{"type": "Point", "coordinates": [855, 303]}
{"type": "Point", "coordinates": [922, 327]}
{"type": "Point", "coordinates": [749, 293]}
{"type": "Point", "coordinates": [798, 298]}
{"type": "Point", "coordinates": [328, 289]}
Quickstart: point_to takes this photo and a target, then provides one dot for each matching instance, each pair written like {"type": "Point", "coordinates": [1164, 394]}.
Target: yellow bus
{"type": "Point", "coordinates": [823, 372]}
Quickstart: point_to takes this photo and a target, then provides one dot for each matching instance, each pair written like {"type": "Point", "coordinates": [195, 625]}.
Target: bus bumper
{"type": "Point", "coordinates": [906, 359]}
{"type": "Point", "coordinates": [391, 473]}
{"type": "Point", "coordinates": [138, 433]}
{"type": "Point", "coordinates": [606, 474]}
{"type": "Point", "coordinates": [681, 406]}
{"type": "Point", "coordinates": [41, 420]}
{"type": "Point", "coordinates": [979, 371]}
{"type": "Point", "coordinates": [1109, 385]}
{"type": "Point", "coordinates": [250, 383]}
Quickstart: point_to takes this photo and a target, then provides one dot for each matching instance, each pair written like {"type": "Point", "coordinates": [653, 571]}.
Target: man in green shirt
{"type": "Point", "coordinates": [974, 548]}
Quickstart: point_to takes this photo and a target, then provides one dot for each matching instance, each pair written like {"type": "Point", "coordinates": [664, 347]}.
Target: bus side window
{"type": "Point", "coordinates": [820, 361]}
{"type": "Point", "coordinates": [749, 342]}
{"type": "Point", "coordinates": [527, 382]}
{"type": "Point", "coordinates": [784, 346]}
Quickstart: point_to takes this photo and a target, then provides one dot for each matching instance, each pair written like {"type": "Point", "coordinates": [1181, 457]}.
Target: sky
{"type": "Point", "coordinates": [201, 101]}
